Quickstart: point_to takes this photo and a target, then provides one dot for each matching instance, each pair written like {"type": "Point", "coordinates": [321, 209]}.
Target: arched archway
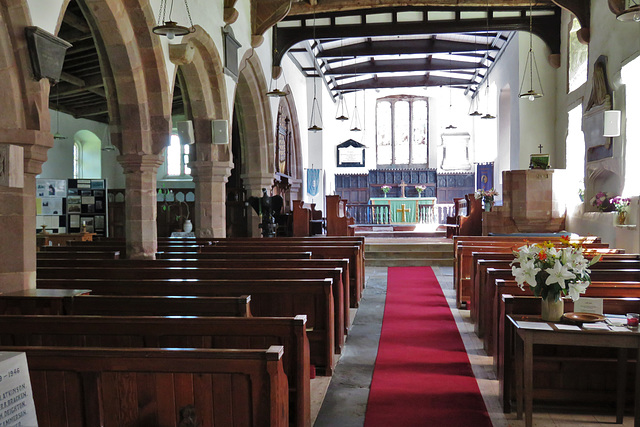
{"type": "Point", "coordinates": [255, 131]}
{"type": "Point", "coordinates": [205, 94]}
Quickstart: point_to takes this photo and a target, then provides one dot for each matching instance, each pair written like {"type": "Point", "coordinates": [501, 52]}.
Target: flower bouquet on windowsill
{"type": "Point", "coordinates": [553, 272]}
{"type": "Point", "coordinates": [602, 202]}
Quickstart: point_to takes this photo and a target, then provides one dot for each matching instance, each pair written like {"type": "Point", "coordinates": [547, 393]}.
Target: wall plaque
{"type": "Point", "coordinates": [350, 154]}
{"type": "Point", "coordinates": [16, 397]}
{"type": "Point", "coordinates": [46, 52]}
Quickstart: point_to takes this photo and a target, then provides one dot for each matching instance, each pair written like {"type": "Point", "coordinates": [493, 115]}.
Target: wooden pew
{"type": "Point", "coordinates": [269, 298]}
{"type": "Point", "coordinates": [338, 220]}
{"type": "Point", "coordinates": [307, 221]}
{"type": "Point", "coordinates": [95, 386]}
{"type": "Point", "coordinates": [64, 301]}
{"type": "Point", "coordinates": [234, 255]}
{"type": "Point", "coordinates": [529, 305]}
{"type": "Point", "coordinates": [343, 265]}
{"type": "Point", "coordinates": [176, 332]}
{"type": "Point", "coordinates": [79, 254]}
{"type": "Point", "coordinates": [150, 270]}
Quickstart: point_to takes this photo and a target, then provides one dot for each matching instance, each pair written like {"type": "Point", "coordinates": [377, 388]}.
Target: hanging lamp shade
{"type": "Point", "coordinates": [169, 28]}
{"type": "Point", "coordinates": [532, 94]}
{"type": "Point", "coordinates": [315, 122]}
{"type": "Point", "coordinates": [58, 135]}
{"type": "Point", "coordinates": [473, 105]}
{"type": "Point", "coordinates": [342, 112]}
{"type": "Point", "coordinates": [355, 121]}
{"type": "Point", "coordinates": [631, 13]}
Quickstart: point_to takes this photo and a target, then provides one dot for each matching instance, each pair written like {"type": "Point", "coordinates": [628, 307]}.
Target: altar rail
{"type": "Point", "coordinates": [379, 214]}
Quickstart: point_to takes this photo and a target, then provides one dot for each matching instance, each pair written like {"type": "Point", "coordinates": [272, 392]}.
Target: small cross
{"type": "Point", "coordinates": [540, 148]}
{"type": "Point", "coordinates": [404, 210]}
{"type": "Point", "coordinates": [402, 186]}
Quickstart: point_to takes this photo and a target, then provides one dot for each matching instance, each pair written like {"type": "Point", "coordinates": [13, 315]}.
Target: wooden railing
{"type": "Point", "coordinates": [369, 214]}
{"type": "Point", "coordinates": [380, 214]}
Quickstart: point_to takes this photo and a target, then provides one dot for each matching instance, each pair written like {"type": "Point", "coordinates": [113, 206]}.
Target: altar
{"type": "Point", "coordinates": [408, 210]}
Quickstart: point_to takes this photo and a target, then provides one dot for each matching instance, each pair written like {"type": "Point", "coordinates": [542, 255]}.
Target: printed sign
{"type": "Point", "coordinates": [16, 398]}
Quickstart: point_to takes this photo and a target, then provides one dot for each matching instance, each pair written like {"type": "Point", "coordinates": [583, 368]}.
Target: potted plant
{"type": "Point", "coordinates": [552, 273]}
{"type": "Point", "coordinates": [621, 205]}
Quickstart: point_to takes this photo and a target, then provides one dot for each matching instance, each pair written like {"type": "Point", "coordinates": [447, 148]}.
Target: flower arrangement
{"type": "Point", "coordinates": [385, 188]}
{"type": "Point", "coordinates": [420, 188]}
{"type": "Point", "coordinates": [553, 272]}
{"type": "Point", "coordinates": [487, 196]}
{"type": "Point", "coordinates": [621, 204]}
{"type": "Point", "coordinates": [601, 201]}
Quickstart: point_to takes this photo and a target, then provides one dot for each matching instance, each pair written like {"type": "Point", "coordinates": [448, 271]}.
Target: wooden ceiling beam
{"type": "Point", "coordinates": [377, 82]}
{"type": "Point", "coordinates": [404, 65]}
{"type": "Point", "coordinates": [393, 47]}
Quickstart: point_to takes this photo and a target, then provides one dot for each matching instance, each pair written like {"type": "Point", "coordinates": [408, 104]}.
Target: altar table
{"type": "Point", "coordinates": [406, 209]}
{"type": "Point", "coordinates": [531, 330]}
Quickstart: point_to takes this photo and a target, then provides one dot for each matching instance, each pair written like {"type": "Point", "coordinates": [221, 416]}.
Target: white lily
{"type": "Point", "coordinates": [526, 273]}
{"type": "Point", "coordinates": [577, 288]}
{"type": "Point", "coordinates": [558, 274]}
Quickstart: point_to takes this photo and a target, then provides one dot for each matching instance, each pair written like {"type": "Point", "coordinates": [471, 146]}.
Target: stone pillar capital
{"type": "Point", "coordinates": [210, 170]}
{"type": "Point", "coordinates": [132, 163]}
{"type": "Point", "coordinates": [255, 182]}
{"type": "Point", "coordinates": [35, 143]}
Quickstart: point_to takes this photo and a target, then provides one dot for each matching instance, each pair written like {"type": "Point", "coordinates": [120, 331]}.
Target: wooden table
{"type": "Point", "coordinates": [532, 330]}
{"type": "Point", "coordinates": [61, 239]}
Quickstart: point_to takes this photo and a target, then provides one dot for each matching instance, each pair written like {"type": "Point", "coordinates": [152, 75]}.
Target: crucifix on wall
{"type": "Point", "coordinates": [540, 148]}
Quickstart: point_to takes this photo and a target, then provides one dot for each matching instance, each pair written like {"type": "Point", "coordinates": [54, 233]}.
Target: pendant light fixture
{"type": "Point", "coordinates": [488, 115]}
{"type": "Point", "coordinates": [342, 113]}
{"type": "Point", "coordinates": [531, 94]}
{"type": "Point", "coordinates": [107, 137]}
{"type": "Point", "coordinates": [275, 92]}
{"type": "Point", "coordinates": [473, 105]}
{"type": "Point", "coordinates": [355, 120]}
{"type": "Point", "coordinates": [451, 126]}
{"type": "Point", "coordinates": [315, 107]}
{"type": "Point", "coordinates": [169, 28]}
{"type": "Point", "coordinates": [58, 135]}
{"type": "Point", "coordinates": [631, 13]}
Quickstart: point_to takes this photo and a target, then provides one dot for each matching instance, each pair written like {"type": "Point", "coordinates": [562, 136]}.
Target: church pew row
{"type": "Point", "coordinates": [342, 264]}
{"type": "Point", "coordinates": [489, 306]}
{"type": "Point", "coordinates": [269, 298]}
{"type": "Point", "coordinates": [597, 364]}
{"type": "Point", "coordinates": [483, 285]}
{"type": "Point", "coordinates": [79, 254]}
{"type": "Point", "coordinates": [321, 248]}
{"type": "Point", "coordinates": [176, 332]}
{"type": "Point", "coordinates": [136, 387]}
{"type": "Point", "coordinates": [463, 264]}
{"type": "Point", "coordinates": [141, 271]}
{"type": "Point", "coordinates": [61, 301]}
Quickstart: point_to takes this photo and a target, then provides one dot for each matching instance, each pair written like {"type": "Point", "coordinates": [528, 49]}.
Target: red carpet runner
{"type": "Point", "coordinates": [422, 375]}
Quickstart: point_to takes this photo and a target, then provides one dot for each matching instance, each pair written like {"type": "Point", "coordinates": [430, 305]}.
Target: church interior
{"type": "Point", "coordinates": [284, 162]}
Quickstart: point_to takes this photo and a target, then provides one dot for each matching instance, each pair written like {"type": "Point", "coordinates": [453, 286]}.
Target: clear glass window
{"type": "Point", "coordinates": [402, 137]}
{"type": "Point", "coordinates": [76, 159]}
{"type": "Point", "coordinates": [177, 157]}
{"type": "Point", "coordinates": [578, 58]}
{"type": "Point", "coordinates": [629, 74]}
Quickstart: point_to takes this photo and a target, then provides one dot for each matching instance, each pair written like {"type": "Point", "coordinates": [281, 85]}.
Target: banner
{"type": "Point", "coordinates": [484, 176]}
{"type": "Point", "coordinates": [313, 181]}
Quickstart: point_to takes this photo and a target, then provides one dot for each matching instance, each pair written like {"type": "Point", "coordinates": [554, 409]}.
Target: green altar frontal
{"type": "Point", "coordinates": [406, 210]}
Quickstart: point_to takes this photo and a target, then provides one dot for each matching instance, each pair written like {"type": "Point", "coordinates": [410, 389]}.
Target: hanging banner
{"type": "Point", "coordinates": [484, 176]}
{"type": "Point", "coordinates": [313, 181]}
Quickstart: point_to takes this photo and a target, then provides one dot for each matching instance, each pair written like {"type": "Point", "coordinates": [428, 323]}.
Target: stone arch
{"type": "Point", "coordinates": [297, 170]}
{"type": "Point", "coordinates": [256, 122]}
{"type": "Point", "coordinates": [134, 72]}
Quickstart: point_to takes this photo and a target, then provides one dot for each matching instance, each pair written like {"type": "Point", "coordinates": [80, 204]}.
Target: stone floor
{"type": "Point", "coordinates": [341, 400]}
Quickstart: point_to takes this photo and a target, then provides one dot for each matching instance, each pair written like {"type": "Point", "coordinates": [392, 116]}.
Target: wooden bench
{"type": "Point", "coordinates": [269, 298]}
{"type": "Point", "coordinates": [205, 273]}
{"type": "Point", "coordinates": [79, 254]}
{"type": "Point", "coordinates": [343, 265]}
{"type": "Point", "coordinates": [176, 332]}
{"type": "Point", "coordinates": [71, 301]}
{"type": "Point", "coordinates": [337, 217]}
{"type": "Point", "coordinates": [127, 387]}
{"type": "Point", "coordinates": [235, 255]}
{"type": "Point", "coordinates": [528, 305]}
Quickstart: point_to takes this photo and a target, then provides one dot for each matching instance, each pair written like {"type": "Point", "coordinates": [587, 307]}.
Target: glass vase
{"type": "Point", "coordinates": [552, 309]}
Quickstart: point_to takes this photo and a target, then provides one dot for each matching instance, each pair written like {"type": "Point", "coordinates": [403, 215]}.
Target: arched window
{"type": "Point", "coordinates": [177, 157]}
{"type": "Point", "coordinates": [77, 160]}
{"type": "Point", "coordinates": [578, 58]}
{"type": "Point", "coordinates": [402, 131]}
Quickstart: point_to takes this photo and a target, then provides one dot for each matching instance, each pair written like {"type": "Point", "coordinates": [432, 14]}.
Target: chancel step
{"type": "Point", "coordinates": [395, 252]}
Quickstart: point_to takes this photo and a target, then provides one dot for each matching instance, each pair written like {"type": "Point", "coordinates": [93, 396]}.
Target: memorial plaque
{"type": "Point", "coordinates": [16, 398]}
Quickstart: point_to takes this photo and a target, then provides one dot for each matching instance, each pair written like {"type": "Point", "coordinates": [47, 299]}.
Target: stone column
{"type": "Point", "coordinates": [254, 183]}
{"type": "Point", "coordinates": [141, 204]}
{"type": "Point", "coordinates": [18, 213]}
{"type": "Point", "coordinates": [210, 178]}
